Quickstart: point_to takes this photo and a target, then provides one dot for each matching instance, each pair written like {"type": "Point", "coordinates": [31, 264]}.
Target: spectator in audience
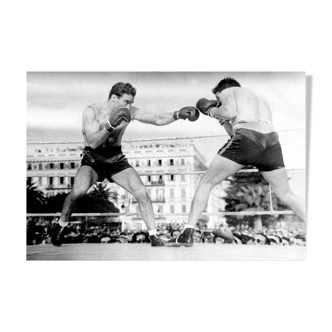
{"type": "Point", "coordinates": [123, 238]}
{"type": "Point", "coordinates": [114, 234]}
{"type": "Point", "coordinates": [207, 237]}
{"type": "Point", "coordinates": [246, 239]}
{"type": "Point", "coordinates": [39, 232]}
{"type": "Point", "coordinates": [274, 240]}
{"type": "Point", "coordinates": [261, 239]}
{"type": "Point", "coordinates": [197, 236]}
{"type": "Point", "coordinates": [140, 237]}
{"type": "Point", "coordinates": [175, 232]}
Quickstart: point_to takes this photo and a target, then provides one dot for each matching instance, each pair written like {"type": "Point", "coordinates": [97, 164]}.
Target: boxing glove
{"type": "Point", "coordinates": [115, 119]}
{"type": "Point", "coordinates": [206, 106]}
{"type": "Point", "coordinates": [190, 112]}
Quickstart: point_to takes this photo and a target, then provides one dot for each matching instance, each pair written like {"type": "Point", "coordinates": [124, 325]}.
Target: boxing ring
{"type": "Point", "coordinates": [144, 251]}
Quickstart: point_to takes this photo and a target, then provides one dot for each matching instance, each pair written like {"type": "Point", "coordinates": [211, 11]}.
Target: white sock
{"type": "Point", "coordinates": [63, 224]}
{"type": "Point", "coordinates": [153, 232]}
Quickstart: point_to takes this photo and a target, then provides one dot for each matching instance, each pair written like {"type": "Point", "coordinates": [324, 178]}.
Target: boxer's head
{"type": "Point", "coordinates": [122, 95]}
{"type": "Point", "coordinates": [227, 82]}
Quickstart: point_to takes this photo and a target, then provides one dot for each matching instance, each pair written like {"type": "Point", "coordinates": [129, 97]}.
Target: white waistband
{"type": "Point", "coordinates": [260, 126]}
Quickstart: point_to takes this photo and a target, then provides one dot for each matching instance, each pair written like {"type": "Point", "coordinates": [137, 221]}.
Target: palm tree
{"type": "Point", "coordinates": [35, 198]}
{"type": "Point", "coordinates": [100, 189]}
{"type": "Point", "coordinates": [250, 192]}
{"type": "Point", "coordinates": [98, 200]}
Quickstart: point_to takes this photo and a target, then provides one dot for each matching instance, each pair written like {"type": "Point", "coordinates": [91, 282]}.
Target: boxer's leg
{"type": "Point", "coordinates": [84, 179]}
{"type": "Point", "coordinates": [280, 186]}
{"type": "Point", "coordinates": [130, 180]}
{"type": "Point", "coordinates": [220, 169]}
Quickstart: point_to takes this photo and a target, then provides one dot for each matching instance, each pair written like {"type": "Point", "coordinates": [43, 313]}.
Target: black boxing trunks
{"type": "Point", "coordinates": [106, 162]}
{"type": "Point", "coordinates": [259, 147]}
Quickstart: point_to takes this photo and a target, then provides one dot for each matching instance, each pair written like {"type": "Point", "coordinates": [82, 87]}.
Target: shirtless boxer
{"type": "Point", "coordinates": [103, 126]}
{"type": "Point", "coordinates": [247, 119]}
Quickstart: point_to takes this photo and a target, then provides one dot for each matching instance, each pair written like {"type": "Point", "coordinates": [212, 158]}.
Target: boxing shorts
{"type": "Point", "coordinates": [255, 144]}
{"type": "Point", "coordinates": [106, 162]}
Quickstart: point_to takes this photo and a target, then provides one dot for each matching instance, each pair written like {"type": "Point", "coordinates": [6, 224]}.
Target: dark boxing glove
{"type": "Point", "coordinates": [206, 106]}
{"type": "Point", "coordinates": [190, 112]}
{"type": "Point", "coordinates": [115, 119]}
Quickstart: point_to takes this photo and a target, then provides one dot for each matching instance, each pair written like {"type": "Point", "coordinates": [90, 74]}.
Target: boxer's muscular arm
{"type": "Point", "coordinates": [228, 127]}
{"type": "Point", "coordinates": [227, 110]}
{"type": "Point", "coordinates": [154, 119]}
{"type": "Point", "coordinates": [94, 136]}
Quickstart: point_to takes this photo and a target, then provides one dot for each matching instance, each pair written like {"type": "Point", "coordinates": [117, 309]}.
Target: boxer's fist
{"type": "Point", "coordinates": [190, 112]}
{"type": "Point", "coordinates": [115, 119]}
{"type": "Point", "coordinates": [206, 106]}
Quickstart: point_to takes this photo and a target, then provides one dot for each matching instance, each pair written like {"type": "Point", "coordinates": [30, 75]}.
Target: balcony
{"type": "Point", "coordinates": [155, 183]}
{"type": "Point", "coordinates": [153, 200]}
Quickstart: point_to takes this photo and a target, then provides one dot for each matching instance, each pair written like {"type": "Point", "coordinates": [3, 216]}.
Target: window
{"type": "Point", "coordinates": [183, 209]}
{"type": "Point", "coordinates": [72, 178]}
{"type": "Point", "coordinates": [160, 194]}
{"type": "Point", "coordinates": [29, 167]}
{"type": "Point", "coordinates": [171, 177]}
{"type": "Point", "coordinates": [171, 162]}
{"type": "Point", "coordinates": [137, 163]}
{"type": "Point", "coordinates": [183, 193]}
{"type": "Point", "coordinates": [51, 166]}
{"type": "Point", "coordinates": [40, 167]}
{"type": "Point", "coordinates": [183, 178]}
{"type": "Point", "coordinates": [149, 178]}
{"type": "Point", "coordinates": [172, 208]}
{"type": "Point", "coordinates": [160, 208]}
{"type": "Point", "coordinates": [182, 162]}
{"type": "Point", "coordinates": [149, 163]}
{"type": "Point", "coordinates": [40, 181]}
{"type": "Point", "coordinates": [171, 193]}
{"type": "Point", "coordinates": [62, 180]}
{"type": "Point", "coordinates": [72, 165]}
{"type": "Point", "coordinates": [62, 165]}
{"type": "Point", "coordinates": [160, 162]}
{"type": "Point", "coordinates": [50, 181]}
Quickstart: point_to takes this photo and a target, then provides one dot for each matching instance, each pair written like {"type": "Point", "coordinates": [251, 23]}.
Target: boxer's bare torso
{"type": "Point", "coordinates": [241, 105]}
{"type": "Point", "coordinates": [101, 112]}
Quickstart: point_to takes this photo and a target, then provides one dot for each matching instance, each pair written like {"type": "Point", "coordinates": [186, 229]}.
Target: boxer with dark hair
{"type": "Point", "coordinates": [247, 118]}
{"type": "Point", "coordinates": [103, 126]}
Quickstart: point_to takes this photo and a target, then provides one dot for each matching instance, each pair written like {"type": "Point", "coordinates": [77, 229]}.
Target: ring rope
{"type": "Point", "coordinates": [157, 138]}
{"type": "Point", "coordinates": [226, 213]}
{"type": "Point", "coordinates": [174, 173]}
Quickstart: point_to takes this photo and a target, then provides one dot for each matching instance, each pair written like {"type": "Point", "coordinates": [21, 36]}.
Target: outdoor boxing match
{"type": "Point", "coordinates": [132, 166]}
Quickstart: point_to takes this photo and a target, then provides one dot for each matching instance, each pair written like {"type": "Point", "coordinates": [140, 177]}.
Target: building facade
{"type": "Point", "coordinates": [169, 169]}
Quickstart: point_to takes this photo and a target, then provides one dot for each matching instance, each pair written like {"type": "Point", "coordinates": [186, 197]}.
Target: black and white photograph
{"type": "Point", "coordinates": [166, 166]}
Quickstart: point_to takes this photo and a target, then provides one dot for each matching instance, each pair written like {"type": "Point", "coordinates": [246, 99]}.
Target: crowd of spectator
{"type": "Point", "coordinates": [39, 231]}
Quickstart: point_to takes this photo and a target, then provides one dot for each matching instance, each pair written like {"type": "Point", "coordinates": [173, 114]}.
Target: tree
{"type": "Point", "coordinates": [100, 189]}
{"type": "Point", "coordinates": [35, 197]}
{"type": "Point", "coordinates": [54, 204]}
{"type": "Point", "coordinates": [249, 191]}
{"type": "Point", "coordinates": [98, 200]}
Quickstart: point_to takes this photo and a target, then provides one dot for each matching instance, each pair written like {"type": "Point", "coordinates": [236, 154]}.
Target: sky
{"type": "Point", "coordinates": [55, 101]}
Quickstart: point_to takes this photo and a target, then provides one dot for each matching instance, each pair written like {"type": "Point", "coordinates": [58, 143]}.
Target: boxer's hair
{"type": "Point", "coordinates": [227, 82]}
{"type": "Point", "coordinates": [121, 88]}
